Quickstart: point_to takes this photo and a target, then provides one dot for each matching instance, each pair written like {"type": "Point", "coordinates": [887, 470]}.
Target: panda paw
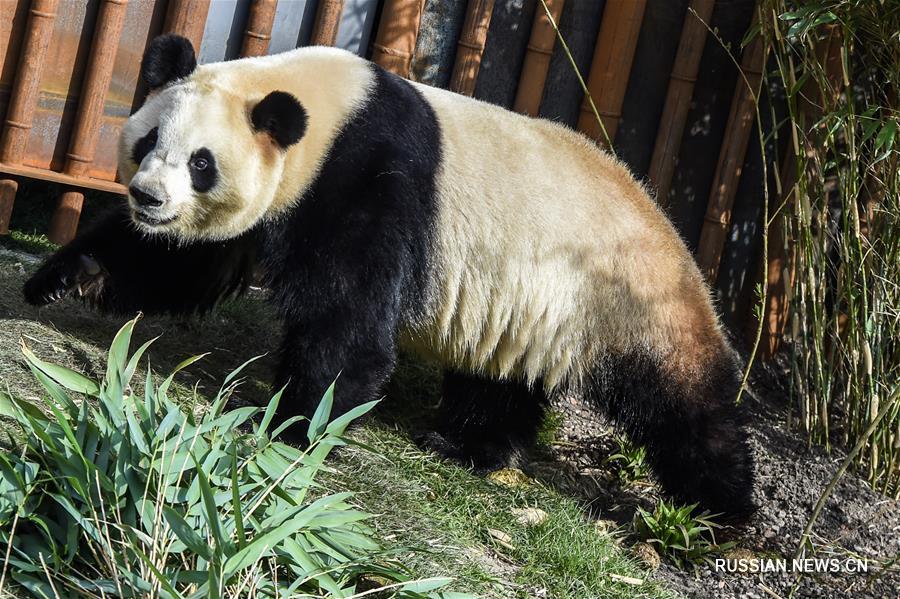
{"type": "Point", "coordinates": [62, 274]}
{"type": "Point", "coordinates": [484, 457]}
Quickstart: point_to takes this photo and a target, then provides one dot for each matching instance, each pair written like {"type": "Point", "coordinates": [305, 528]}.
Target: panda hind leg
{"type": "Point", "coordinates": [694, 433]}
{"type": "Point", "coordinates": [484, 422]}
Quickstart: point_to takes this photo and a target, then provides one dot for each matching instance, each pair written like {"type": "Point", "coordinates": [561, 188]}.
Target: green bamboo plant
{"type": "Point", "coordinates": [842, 219]}
{"type": "Point", "coordinates": [115, 493]}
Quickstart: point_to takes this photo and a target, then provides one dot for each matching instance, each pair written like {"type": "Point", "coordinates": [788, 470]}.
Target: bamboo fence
{"type": "Point", "coordinates": [79, 167]}
{"type": "Point", "coordinates": [611, 68]}
{"type": "Point", "coordinates": [537, 59]}
{"type": "Point", "coordinates": [678, 97]}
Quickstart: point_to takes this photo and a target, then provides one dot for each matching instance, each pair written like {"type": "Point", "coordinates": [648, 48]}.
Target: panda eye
{"type": "Point", "coordinates": [199, 164]}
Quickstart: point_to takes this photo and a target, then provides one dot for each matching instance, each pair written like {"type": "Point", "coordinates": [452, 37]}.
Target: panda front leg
{"type": "Point", "coordinates": [486, 423]}
{"type": "Point", "coordinates": [120, 270]}
{"type": "Point", "coordinates": [359, 359]}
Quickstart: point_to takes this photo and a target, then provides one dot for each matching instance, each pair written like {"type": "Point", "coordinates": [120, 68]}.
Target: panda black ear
{"type": "Point", "coordinates": [167, 58]}
{"type": "Point", "coordinates": [281, 116]}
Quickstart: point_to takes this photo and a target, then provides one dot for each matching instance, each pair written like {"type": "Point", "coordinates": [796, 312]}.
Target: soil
{"type": "Point", "coordinates": [855, 522]}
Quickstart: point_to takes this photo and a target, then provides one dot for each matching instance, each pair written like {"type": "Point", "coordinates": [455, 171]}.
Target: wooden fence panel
{"type": "Point", "coordinates": [23, 99]}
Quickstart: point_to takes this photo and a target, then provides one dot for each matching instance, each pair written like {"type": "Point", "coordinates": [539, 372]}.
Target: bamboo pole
{"type": "Point", "coordinates": [781, 266]}
{"type": "Point", "coordinates": [23, 99]}
{"type": "Point", "coordinates": [471, 46]}
{"type": "Point", "coordinates": [731, 161]}
{"type": "Point", "coordinates": [397, 33]}
{"type": "Point", "coordinates": [678, 97]}
{"type": "Point", "coordinates": [259, 28]}
{"type": "Point", "coordinates": [328, 20]}
{"type": "Point", "coordinates": [187, 18]}
{"type": "Point", "coordinates": [86, 131]}
{"type": "Point", "coordinates": [611, 67]}
{"type": "Point", "coordinates": [537, 58]}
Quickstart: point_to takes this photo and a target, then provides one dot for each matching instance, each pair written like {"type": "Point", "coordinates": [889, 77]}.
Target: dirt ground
{"type": "Point", "coordinates": [856, 522]}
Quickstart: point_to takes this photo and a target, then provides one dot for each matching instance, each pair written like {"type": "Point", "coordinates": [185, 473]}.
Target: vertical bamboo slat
{"type": "Point", "coordinates": [187, 18]}
{"type": "Point", "coordinates": [537, 59]}
{"type": "Point", "coordinates": [23, 99]}
{"type": "Point", "coordinates": [259, 28]}
{"type": "Point", "coordinates": [397, 32]}
{"type": "Point", "coordinates": [328, 20]}
{"type": "Point", "coordinates": [678, 97]}
{"type": "Point", "coordinates": [471, 46]}
{"type": "Point", "coordinates": [610, 67]}
{"type": "Point", "coordinates": [83, 142]}
{"type": "Point", "coordinates": [731, 161]}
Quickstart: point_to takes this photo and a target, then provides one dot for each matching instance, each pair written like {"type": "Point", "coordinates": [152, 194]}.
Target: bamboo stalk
{"type": "Point", "coordinates": [470, 47]}
{"type": "Point", "coordinates": [187, 18]}
{"type": "Point", "coordinates": [610, 68]}
{"type": "Point", "coordinates": [678, 97]}
{"type": "Point", "coordinates": [537, 58]}
{"type": "Point", "coordinates": [397, 33]}
{"type": "Point", "coordinates": [781, 257]}
{"type": "Point", "coordinates": [259, 28]}
{"type": "Point", "coordinates": [328, 21]}
{"type": "Point", "coordinates": [23, 99]}
{"type": "Point", "coordinates": [86, 131]}
{"type": "Point", "coordinates": [731, 161]}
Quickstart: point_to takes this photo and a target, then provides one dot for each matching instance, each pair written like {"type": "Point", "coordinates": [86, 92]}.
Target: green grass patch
{"type": "Point", "coordinates": [471, 528]}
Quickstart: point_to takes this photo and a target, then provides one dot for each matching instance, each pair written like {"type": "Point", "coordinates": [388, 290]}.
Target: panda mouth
{"type": "Point", "coordinates": [146, 219]}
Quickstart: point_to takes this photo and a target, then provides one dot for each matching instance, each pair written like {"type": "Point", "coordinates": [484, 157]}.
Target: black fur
{"type": "Point", "coordinates": [695, 436]}
{"type": "Point", "coordinates": [144, 146]}
{"type": "Point", "coordinates": [352, 261]}
{"type": "Point", "coordinates": [168, 58]}
{"type": "Point", "coordinates": [281, 116]}
{"type": "Point", "coordinates": [485, 422]}
{"type": "Point", "coordinates": [204, 172]}
{"type": "Point", "coordinates": [122, 271]}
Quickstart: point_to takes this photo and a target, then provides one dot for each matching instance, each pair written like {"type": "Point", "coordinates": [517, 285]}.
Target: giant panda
{"type": "Point", "coordinates": [387, 214]}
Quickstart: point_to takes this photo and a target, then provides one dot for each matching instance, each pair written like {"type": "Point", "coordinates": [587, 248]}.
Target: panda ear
{"type": "Point", "coordinates": [167, 58]}
{"type": "Point", "coordinates": [281, 116]}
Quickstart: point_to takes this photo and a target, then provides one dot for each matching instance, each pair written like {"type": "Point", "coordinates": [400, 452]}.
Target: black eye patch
{"type": "Point", "coordinates": [203, 170]}
{"type": "Point", "coordinates": [144, 146]}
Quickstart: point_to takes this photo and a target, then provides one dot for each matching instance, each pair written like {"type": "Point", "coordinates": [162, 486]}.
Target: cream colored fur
{"type": "Point", "coordinates": [551, 255]}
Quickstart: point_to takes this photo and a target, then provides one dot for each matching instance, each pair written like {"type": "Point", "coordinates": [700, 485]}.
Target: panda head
{"type": "Point", "coordinates": [201, 160]}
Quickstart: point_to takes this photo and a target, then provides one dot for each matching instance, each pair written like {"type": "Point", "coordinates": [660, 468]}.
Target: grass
{"type": "Point", "coordinates": [434, 515]}
{"type": "Point", "coordinates": [679, 532]}
{"type": "Point", "coordinates": [458, 515]}
{"type": "Point", "coordinates": [129, 494]}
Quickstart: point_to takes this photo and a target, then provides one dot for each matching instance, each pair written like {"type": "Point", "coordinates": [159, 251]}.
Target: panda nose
{"type": "Point", "coordinates": [143, 198]}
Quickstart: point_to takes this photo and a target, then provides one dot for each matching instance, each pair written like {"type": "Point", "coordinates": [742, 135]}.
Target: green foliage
{"type": "Point", "coordinates": [679, 534]}
{"type": "Point", "coordinates": [129, 495]}
{"type": "Point", "coordinates": [630, 462]}
{"type": "Point", "coordinates": [838, 63]}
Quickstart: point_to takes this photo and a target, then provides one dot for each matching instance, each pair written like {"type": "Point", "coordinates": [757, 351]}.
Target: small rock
{"type": "Point", "coordinates": [529, 516]}
{"type": "Point", "coordinates": [647, 555]}
{"type": "Point", "coordinates": [508, 477]}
